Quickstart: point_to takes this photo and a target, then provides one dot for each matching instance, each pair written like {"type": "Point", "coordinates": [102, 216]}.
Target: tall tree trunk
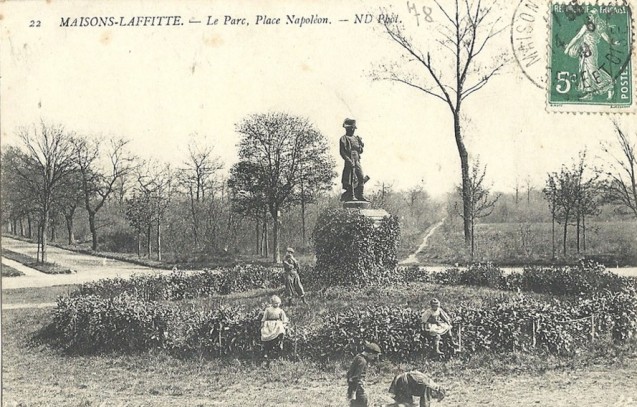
{"type": "Point", "coordinates": [45, 220]}
{"type": "Point", "coordinates": [564, 236]}
{"type": "Point", "coordinates": [266, 240]}
{"type": "Point", "coordinates": [584, 233]}
{"type": "Point", "coordinates": [466, 182]}
{"type": "Point", "coordinates": [276, 257]}
{"type": "Point", "coordinates": [193, 213]}
{"type": "Point", "coordinates": [472, 238]}
{"type": "Point", "coordinates": [577, 231]}
{"type": "Point", "coordinates": [30, 227]}
{"type": "Point", "coordinates": [149, 239]}
{"type": "Point", "coordinates": [159, 237]}
{"type": "Point", "coordinates": [303, 212]}
{"type": "Point", "coordinates": [258, 236]}
{"type": "Point", "coordinates": [38, 241]}
{"type": "Point", "coordinates": [93, 228]}
{"type": "Point", "coordinates": [21, 227]}
{"type": "Point", "coordinates": [69, 228]}
{"type": "Point", "coordinates": [53, 235]}
{"type": "Point", "coordinates": [139, 243]}
{"type": "Point", "coordinates": [553, 234]}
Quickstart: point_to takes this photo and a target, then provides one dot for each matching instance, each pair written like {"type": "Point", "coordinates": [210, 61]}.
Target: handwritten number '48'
{"type": "Point", "coordinates": [34, 23]}
{"type": "Point", "coordinates": [426, 10]}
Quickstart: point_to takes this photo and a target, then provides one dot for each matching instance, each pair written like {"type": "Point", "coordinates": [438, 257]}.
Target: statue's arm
{"type": "Point", "coordinates": [575, 39]}
{"type": "Point", "coordinates": [344, 150]}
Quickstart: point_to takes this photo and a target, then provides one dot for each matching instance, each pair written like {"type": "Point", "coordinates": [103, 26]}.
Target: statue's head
{"type": "Point", "coordinates": [350, 125]}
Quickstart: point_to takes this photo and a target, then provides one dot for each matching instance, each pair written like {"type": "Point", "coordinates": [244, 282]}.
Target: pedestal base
{"type": "Point", "coordinates": [363, 207]}
{"type": "Point", "coordinates": [356, 204]}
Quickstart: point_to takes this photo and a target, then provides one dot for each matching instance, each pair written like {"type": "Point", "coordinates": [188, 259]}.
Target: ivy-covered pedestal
{"type": "Point", "coordinates": [356, 246]}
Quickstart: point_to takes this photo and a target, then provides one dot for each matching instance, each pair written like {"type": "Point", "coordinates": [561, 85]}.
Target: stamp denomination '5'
{"type": "Point", "coordinates": [590, 58]}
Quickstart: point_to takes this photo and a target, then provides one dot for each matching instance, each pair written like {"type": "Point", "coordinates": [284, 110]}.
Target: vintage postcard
{"type": "Point", "coordinates": [304, 203]}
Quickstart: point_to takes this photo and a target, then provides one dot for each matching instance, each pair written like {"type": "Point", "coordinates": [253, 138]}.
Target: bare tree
{"type": "Point", "coordinates": [199, 178]}
{"type": "Point", "coordinates": [98, 181]}
{"type": "Point", "coordinates": [621, 187]}
{"type": "Point", "coordinates": [480, 204]}
{"type": "Point", "coordinates": [465, 35]}
{"type": "Point", "coordinates": [573, 194]}
{"type": "Point", "coordinates": [155, 184]}
{"type": "Point", "coordinates": [69, 197]}
{"type": "Point", "coordinates": [47, 160]}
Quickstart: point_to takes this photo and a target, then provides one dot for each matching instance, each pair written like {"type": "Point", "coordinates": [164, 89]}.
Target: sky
{"type": "Point", "coordinates": [162, 87]}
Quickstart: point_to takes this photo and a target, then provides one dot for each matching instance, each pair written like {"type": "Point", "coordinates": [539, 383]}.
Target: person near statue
{"type": "Point", "coordinates": [293, 284]}
{"type": "Point", "coordinates": [351, 148]}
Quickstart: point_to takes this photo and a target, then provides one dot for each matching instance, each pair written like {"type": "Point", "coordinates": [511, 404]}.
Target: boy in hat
{"type": "Point", "coordinates": [437, 323]}
{"type": "Point", "coordinates": [356, 375]}
{"type": "Point", "coordinates": [351, 148]}
{"type": "Point", "coordinates": [292, 280]}
{"type": "Point", "coordinates": [408, 385]}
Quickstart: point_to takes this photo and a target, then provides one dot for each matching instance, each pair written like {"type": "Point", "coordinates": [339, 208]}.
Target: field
{"type": "Point", "coordinates": [613, 243]}
{"type": "Point", "coordinates": [35, 375]}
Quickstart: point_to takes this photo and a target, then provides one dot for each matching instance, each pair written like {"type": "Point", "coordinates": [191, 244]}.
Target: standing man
{"type": "Point", "coordinates": [292, 280]}
{"type": "Point", "coordinates": [351, 148]}
{"type": "Point", "coordinates": [356, 375]}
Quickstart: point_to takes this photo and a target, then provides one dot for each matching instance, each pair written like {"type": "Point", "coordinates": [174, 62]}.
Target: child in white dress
{"type": "Point", "coordinates": [273, 326]}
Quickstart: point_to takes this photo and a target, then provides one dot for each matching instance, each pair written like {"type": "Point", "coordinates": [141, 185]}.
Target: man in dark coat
{"type": "Point", "coordinates": [408, 385]}
{"type": "Point", "coordinates": [351, 148]}
{"type": "Point", "coordinates": [356, 375]}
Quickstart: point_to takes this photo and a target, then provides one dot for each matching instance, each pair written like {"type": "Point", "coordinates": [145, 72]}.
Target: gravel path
{"type": "Point", "coordinates": [87, 268]}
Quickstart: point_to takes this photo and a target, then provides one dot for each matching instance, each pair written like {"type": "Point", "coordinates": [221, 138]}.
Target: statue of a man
{"type": "Point", "coordinates": [351, 148]}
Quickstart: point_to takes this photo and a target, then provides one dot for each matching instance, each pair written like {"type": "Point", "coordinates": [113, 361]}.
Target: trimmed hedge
{"type": "Point", "coordinates": [587, 278]}
{"type": "Point", "coordinates": [94, 324]}
{"type": "Point", "coordinates": [179, 285]}
{"type": "Point", "coordinates": [351, 250]}
{"type": "Point", "coordinates": [132, 315]}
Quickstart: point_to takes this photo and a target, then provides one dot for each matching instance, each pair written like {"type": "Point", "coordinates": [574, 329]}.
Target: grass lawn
{"type": "Point", "coordinates": [49, 268]}
{"type": "Point", "coordinates": [35, 295]}
{"type": "Point", "coordinates": [8, 271]}
{"type": "Point", "coordinates": [531, 243]}
{"type": "Point", "coordinates": [39, 376]}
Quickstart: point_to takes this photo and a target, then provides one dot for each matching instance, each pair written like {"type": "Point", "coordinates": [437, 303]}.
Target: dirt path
{"type": "Point", "coordinates": [413, 259]}
{"type": "Point", "coordinates": [87, 268]}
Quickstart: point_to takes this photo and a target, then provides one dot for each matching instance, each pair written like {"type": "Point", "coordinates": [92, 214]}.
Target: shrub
{"type": "Point", "coordinates": [121, 241]}
{"type": "Point", "coordinates": [586, 278]}
{"type": "Point", "coordinates": [482, 275]}
{"type": "Point", "coordinates": [91, 324]}
{"type": "Point", "coordinates": [179, 285]}
{"type": "Point", "coordinates": [351, 250]}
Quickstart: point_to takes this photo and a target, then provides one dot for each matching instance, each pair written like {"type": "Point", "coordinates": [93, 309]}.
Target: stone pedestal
{"type": "Point", "coordinates": [375, 214]}
{"type": "Point", "coordinates": [363, 207]}
{"type": "Point", "coordinates": [355, 245]}
{"type": "Point", "coordinates": [356, 204]}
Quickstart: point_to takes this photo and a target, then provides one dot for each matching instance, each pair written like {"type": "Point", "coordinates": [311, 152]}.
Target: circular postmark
{"type": "Point", "coordinates": [529, 40]}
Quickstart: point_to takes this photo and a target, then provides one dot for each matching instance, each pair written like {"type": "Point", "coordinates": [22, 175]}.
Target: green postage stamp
{"type": "Point", "coordinates": [590, 66]}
